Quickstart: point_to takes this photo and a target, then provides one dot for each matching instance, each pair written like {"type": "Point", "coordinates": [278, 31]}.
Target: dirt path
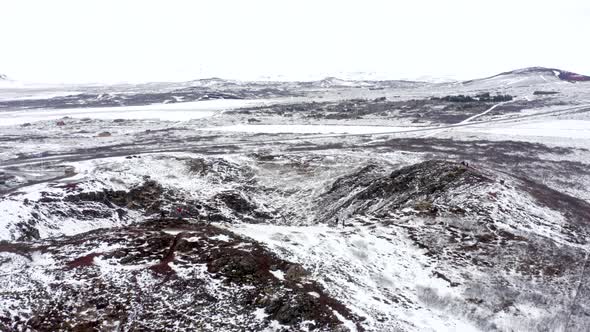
{"type": "Point", "coordinates": [469, 119]}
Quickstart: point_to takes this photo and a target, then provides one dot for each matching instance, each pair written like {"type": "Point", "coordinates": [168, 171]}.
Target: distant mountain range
{"type": "Point", "coordinates": [361, 79]}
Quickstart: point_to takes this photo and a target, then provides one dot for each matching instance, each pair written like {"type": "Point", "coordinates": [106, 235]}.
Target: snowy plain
{"type": "Point", "coordinates": [167, 112]}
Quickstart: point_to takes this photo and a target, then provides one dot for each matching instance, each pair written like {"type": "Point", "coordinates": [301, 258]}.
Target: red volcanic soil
{"type": "Point", "coordinates": [164, 267]}
{"type": "Point", "coordinates": [83, 261]}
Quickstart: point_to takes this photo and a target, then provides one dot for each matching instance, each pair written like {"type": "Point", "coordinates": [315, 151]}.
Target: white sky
{"type": "Point", "coordinates": [63, 41]}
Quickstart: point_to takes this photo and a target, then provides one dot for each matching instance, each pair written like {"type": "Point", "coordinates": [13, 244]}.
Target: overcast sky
{"type": "Point", "coordinates": [108, 41]}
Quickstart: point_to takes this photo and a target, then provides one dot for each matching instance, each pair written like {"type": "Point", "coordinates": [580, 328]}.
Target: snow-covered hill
{"type": "Point", "coordinates": [449, 243]}
{"type": "Point", "coordinates": [559, 73]}
{"type": "Point", "coordinates": [161, 275]}
{"type": "Point", "coordinates": [528, 77]}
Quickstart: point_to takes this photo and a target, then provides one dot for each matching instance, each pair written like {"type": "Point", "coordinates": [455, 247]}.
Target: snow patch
{"type": "Point", "coordinates": [173, 231]}
{"type": "Point", "coordinates": [260, 314]}
{"type": "Point", "coordinates": [314, 294]}
{"type": "Point", "coordinates": [221, 237]}
{"type": "Point", "coordinates": [278, 274]}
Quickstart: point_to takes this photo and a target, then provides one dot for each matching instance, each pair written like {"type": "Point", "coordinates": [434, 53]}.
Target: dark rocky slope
{"type": "Point", "coordinates": [159, 275]}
